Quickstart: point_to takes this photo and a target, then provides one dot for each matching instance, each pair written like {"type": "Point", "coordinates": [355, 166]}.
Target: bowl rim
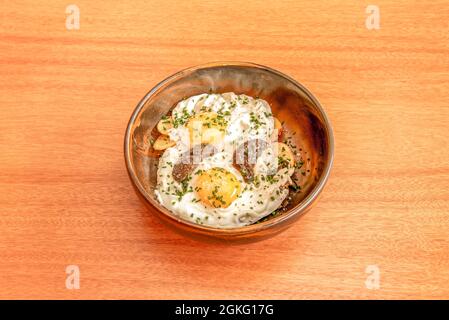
{"type": "Point", "coordinates": [299, 209]}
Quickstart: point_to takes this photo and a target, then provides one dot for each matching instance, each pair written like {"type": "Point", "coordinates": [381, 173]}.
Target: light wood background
{"type": "Point", "coordinates": [66, 97]}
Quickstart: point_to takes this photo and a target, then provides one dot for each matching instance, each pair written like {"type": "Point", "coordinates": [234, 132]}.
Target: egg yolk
{"type": "Point", "coordinates": [206, 127]}
{"type": "Point", "coordinates": [217, 187]}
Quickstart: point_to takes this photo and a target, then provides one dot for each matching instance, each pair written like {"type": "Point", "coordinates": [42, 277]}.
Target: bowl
{"type": "Point", "coordinates": [290, 101]}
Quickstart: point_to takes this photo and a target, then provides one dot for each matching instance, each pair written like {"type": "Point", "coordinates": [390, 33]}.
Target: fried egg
{"type": "Point", "coordinates": [215, 193]}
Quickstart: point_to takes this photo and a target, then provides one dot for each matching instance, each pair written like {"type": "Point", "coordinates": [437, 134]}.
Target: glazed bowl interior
{"type": "Point", "coordinates": [291, 103]}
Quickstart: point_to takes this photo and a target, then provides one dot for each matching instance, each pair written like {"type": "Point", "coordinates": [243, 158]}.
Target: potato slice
{"type": "Point", "coordinates": [277, 132]}
{"type": "Point", "coordinates": [285, 155]}
{"type": "Point", "coordinates": [163, 142]}
{"type": "Point", "coordinates": [164, 125]}
{"type": "Point", "coordinates": [277, 124]}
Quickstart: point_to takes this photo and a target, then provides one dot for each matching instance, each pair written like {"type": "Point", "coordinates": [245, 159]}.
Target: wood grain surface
{"type": "Point", "coordinates": [66, 97]}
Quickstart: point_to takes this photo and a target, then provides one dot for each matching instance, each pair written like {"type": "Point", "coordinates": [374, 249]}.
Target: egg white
{"type": "Point", "coordinates": [255, 200]}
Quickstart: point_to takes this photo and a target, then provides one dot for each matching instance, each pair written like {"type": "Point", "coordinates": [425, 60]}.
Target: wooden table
{"type": "Point", "coordinates": [66, 97]}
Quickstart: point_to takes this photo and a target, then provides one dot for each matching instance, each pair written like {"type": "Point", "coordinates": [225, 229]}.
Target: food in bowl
{"type": "Point", "coordinates": [225, 161]}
